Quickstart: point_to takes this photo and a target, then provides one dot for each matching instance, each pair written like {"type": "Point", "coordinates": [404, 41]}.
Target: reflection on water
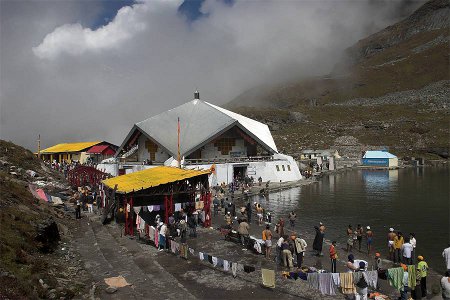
{"type": "Point", "coordinates": [410, 200]}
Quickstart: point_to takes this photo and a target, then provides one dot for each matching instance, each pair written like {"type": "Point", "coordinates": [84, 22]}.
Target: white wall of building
{"type": "Point", "coordinates": [267, 170]}
{"type": "Point", "coordinates": [211, 151]}
{"type": "Point", "coordinates": [143, 154]}
{"type": "Point", "coordinates": [111, 168]}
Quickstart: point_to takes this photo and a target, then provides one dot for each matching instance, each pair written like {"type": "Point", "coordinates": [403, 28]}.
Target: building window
{"type": "Point", "coordinates": [289, 167]}
{"type": "Point", "coordinates": [278, 168]}
{"type": "Point", "coordinates": [151, 148]}
{"type": "Point", "coordinates": [283, 168]}
{"type": "Point", "coordinates": [224, 145]}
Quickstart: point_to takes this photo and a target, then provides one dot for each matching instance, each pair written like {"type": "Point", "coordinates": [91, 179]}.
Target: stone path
{"type": "Point", "coordinates": [104, 257]}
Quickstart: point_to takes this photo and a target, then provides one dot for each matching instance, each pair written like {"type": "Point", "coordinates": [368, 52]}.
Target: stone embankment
{"type": "Point", "coordinates": [435, 96]}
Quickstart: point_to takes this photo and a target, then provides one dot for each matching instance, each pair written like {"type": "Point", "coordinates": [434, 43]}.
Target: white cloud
{"type": "Point", "coordinates": [68, 82]}
{"type": "Point", "coordinates": [73, 39]}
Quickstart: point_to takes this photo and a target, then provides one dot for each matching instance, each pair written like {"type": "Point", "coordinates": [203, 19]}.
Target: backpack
{"type": "Point", "coordinates": [362, 283]}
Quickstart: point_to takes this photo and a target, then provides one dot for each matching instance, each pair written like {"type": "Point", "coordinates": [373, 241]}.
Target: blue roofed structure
{"type": "Point", "coordinates": [380, 158]}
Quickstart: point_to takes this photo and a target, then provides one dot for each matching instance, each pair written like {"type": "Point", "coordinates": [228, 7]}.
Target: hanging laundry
{"type": "Point", "coordinates": [240, 267]}
{"type": "Point", "coordinates": [201, 256]}
{"type": "Point", "coordinates": [173, 246]}
{"type": "Point", "coordinates": [293, 275]}
{"type": "Point", "coordinates": [56, 200]}
{"type": "Point", "coordinates": [249, 269]}
{"type": "Point", "coordinates": [142, 225]}
{"type": "Point", "coordinates": [371, 278]}
{"type": "Point", "coordinates": [151, 233]}
{"type": "Point", "coordinates": [337, 280]}
{"type": "Point", "coordinates": [128, 207]}
{"type": "Point", "coordinates": [346, 283]}
{"type": "Point", "coordinates": [137, 209]}
{"type": "Point", "coordinates": [184, 251]}
{"type": "Point", "coordinates": [214, 261]}
{"type": "Point", "coordinates": [357, 276]}
{"type": "Point", "coordinates": [303, 275]}
{"type": "Point", "coordinates": [412, 277]}
{"type": "Point", "coordinates": [234, 269]}
{"type": "Point", "coordinates": [156, 238]}
{"type": "Point", "coordinates": [150, 208]}
{"type": "Point", "coordinates": [226, 265]}
{"type": "Point", "coordinates": [49, 198]}
{"type": "Point", "coordinates": [219, 262]}
{"type": "Point", "coordinates": [177, 206]}
{"type": "Point", "coordinates": [395, 277]}
{"type": "Point", "coordinates": [191, 251]}
{"type": "Point", "coordinates": [326, 284]}
{"type": "Point", "coordinates": [41, 194]}
{"type": "Point", "coordinates": [268, 278]}
{"type": "Point", "coordinates": [145, 208]}
{"type": "Point", "coordinates": [257, 247]}
{"type": "Point", "coordinates": [156, 207]}
{"type": "Point", "coordinates": [201, 216]}
{"type": "Point", "coordinates": [313, 280]}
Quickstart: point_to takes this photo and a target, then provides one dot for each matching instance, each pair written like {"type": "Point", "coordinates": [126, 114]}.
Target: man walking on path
{"type": "Point", "coordinates": [318, 239]}
{"type": "Point", "coordinates": [216, 203]}
{"type": "Point", "coordinates": [398, 243]}
{"type": "Point", "coordinates": [390, 238]}
{"type": "Point", "coordinates": [292, 218]}
{"type": "Point", "coordinates": [78, 210]}
{"type": "Point", "coordinates": [369, 236]}
{"type": "Point", "coordinates": [422, 267]}
{"type": "Point", "coordinates": [349, 238]}
{"type": "Point", "coordinates": [407, 250]}
{"type": "Point", "coordinates": [259, 213]}
{"type": "Point", "coordinates": [267, 238]}
{"type": "Point", "coordinates": [279, 251]}
{"type": "Point", "coordinates": [359, 235]}
{"type": "Point", "coordinates": [248, 208]}
{"type": "Point", "coordinates": [243, 230]}
{"type": "Point", "coordinates": [299, 249]}
{"type": "Point", "coordinates": [333, 256]}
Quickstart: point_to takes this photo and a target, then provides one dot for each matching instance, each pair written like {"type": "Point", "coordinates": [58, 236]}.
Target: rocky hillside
{"type": "Point", "coordinates": [391, 89]}
{"type": "Point", "coordinates": [34, 263]}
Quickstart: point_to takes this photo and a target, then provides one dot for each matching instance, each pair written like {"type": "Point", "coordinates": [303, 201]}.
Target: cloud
{"type": "Point", "coordinates": [68, 82]}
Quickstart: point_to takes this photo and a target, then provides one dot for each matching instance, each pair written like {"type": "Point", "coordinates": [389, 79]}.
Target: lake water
{"type": "Point", "coordinates": [410, 200]}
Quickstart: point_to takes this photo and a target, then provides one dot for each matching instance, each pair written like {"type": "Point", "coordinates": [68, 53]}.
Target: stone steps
{"type": "Point", "coordinates": [114, 255]}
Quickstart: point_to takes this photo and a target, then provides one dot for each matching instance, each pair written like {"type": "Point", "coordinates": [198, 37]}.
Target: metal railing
{"type": "Point", "coordinates": [244, 159]}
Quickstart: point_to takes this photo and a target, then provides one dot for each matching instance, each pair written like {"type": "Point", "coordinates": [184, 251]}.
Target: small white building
{"type": "Point", "coordinates": [379, 158]}
{"type": "Point", "coordinates": [237, 145]}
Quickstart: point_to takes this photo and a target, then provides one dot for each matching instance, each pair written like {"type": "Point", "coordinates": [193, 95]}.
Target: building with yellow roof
{"type": "Point", "coordinates": [71, 151]}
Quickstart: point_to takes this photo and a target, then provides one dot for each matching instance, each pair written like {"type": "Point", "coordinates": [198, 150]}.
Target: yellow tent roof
{"type": "Point", "coordinates": [151, 178]}
{"type": "Point", "coordinates": [69, 147]}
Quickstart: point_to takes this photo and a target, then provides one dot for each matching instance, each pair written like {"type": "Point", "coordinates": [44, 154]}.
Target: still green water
{"type": "Point", "coordinates": [409, 200]}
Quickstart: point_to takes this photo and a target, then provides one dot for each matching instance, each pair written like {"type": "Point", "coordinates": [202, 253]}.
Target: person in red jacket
{"type": "Point", "coordinates": [333, 256]}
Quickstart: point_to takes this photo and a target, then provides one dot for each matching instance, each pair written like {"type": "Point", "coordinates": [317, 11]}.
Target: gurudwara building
{"type": "Point", "coordinates": [200, 135]}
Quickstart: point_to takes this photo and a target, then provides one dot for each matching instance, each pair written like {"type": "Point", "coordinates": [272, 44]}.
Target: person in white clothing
{"type": "Point", "coordinates": [407, 250]}
{"type": "Point", "coordinates": [412, 240]}
{"type": "Point", "coordinates": [162, 236]}
{"type": "Point", "coordinates": [446, 256]}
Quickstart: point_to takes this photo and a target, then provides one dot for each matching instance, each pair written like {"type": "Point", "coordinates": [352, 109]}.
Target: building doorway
{"type": "Point", "coordinates": [239, 172]}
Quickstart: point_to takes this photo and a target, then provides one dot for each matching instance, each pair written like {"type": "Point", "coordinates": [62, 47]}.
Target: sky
{"type": "Point", "coordinates": [88, 70]}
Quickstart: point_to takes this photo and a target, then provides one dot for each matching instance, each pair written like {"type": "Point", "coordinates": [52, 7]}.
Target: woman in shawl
{"type": "Point", "coordinates": [318, 240]}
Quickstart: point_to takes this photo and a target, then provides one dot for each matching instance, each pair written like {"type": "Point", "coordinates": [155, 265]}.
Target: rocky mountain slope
{"type": "Point", "coordinates": [397, 79]}
{"type": "Point", "coordinates": [34, 263]}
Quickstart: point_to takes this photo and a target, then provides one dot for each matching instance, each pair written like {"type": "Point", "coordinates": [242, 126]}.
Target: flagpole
{"type": "Point", "coordinates": [179, 157]}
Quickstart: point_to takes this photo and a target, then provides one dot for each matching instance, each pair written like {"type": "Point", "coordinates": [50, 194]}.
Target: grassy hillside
{"type": "Point", "coordinates": [403, 70]}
